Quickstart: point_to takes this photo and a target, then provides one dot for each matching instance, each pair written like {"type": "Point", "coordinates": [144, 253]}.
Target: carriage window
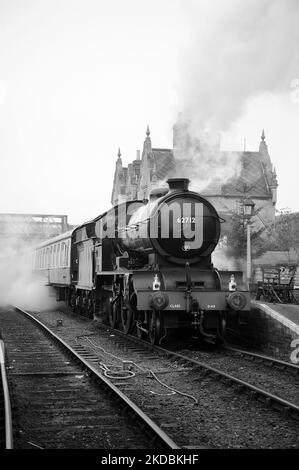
{"type": "Point", "coordinates": [60, 255]}
{"type": "Point", "coordinates": [66, 254]}
{"type": "Point", "coordinates": [63, 255]}
{"type": "Point", "coordinates": [57, 255]}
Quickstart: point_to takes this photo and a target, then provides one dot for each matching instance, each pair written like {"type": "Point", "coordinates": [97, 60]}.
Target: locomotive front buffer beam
{"type": "Point", "coordinates": [167, 300]}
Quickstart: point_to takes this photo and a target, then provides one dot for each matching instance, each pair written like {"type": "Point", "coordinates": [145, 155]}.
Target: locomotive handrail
{"type": "Point", "coordinates": [7, 407]}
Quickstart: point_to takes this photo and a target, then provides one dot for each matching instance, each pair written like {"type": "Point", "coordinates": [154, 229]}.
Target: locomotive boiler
{"type": "Point", "coordinates": [146, 266]}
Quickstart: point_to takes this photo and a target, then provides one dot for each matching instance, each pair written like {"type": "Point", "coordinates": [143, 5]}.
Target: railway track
{"type": "Point", "coordinates": [61, 401]}
{"type": "Point", "coordinates": [221, 419]}
{"type": "Point", "coordinates": [6, 440]}
{"type": "Point", "coordinates": [267, 360]}
{"type": "Point", "coordinates": [255, 392]}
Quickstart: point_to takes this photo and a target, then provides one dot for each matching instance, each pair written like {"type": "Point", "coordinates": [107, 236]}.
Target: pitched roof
{"type": "Point", "coordinates": [252, 178]}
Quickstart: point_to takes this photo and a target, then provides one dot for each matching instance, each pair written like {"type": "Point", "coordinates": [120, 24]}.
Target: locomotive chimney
{"type": "Point", "coordinates": [178, 184]}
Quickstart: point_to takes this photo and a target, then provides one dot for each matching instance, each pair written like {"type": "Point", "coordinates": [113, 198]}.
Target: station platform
{"type": "Point", "coordinates": [287, 314]}
{"type": "Point", "coordinates": [271, 329]}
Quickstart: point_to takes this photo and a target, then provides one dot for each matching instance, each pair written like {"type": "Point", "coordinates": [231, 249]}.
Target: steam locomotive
{"type": "Point", "coordinates": [146, 265]}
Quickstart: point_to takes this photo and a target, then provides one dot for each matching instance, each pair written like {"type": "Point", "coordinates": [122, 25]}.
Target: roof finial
{"type": "Point", "coordinates": [263, 149]}
{"type": "Point", "coordinates": [147, 131]}
{"type": "Point", "coordinates": [118, 153]}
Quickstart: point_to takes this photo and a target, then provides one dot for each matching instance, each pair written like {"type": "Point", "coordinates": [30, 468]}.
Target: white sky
{"type": "Point", "coordinates": [78, 79]}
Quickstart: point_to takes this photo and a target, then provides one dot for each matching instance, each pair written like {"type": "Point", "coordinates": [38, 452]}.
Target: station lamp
{"type": "Point", "coordinates": [248, 207]}
{"type": "Point", "coordinates": [248, 212]}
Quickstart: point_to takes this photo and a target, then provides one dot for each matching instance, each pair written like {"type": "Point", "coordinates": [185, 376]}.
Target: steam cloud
{"type": "Point", "coordinates": [18, 284]}
{"type": "Point", "coordinates": [237, 50]}
{"type": "Point", "coordinates": [199, 158]}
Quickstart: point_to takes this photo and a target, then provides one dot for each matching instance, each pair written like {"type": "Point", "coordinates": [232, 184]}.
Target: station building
{"type": "Point", "coordinates": [256, 177]}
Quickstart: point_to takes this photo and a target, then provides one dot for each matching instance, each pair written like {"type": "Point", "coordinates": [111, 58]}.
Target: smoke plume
{"type": "Point", "coordinates": [19, 286]}
{"type": "Point", "coordinates": [237, 50]}
{"type": "Point", "coordinates": [198, 157]}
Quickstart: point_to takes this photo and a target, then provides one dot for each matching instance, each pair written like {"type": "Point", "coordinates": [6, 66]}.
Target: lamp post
{"type": "Point", "coordinates": [248, 212]}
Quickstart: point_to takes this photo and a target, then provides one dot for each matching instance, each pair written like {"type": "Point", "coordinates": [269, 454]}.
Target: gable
{"type": "Point", "coordinates": [252, 178]}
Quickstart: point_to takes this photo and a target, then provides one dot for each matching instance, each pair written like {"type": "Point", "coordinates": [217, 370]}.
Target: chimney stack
{"type": "Point", "coordinates": [178, 184]}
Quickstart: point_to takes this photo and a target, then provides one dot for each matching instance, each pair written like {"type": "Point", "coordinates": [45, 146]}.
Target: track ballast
{"type": "Point", "coordinates": [61, 401]}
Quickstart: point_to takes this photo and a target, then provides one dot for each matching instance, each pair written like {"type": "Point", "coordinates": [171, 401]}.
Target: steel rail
{"type": "Point", "coordinates": [264, 396]}
{"type": "Point", "coordinates": [160, 436]}
{"type": "Point", "coordinates": [271, 361]}
{"type": "Point", "coordinates": [7, 407]}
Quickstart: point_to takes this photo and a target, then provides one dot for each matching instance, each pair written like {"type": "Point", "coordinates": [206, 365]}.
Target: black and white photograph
{"type": "Point", "coordinates": [149, 230]}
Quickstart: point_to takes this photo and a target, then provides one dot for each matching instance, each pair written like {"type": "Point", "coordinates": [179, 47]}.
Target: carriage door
{"type": "Point", "coordinates": [85, 256]}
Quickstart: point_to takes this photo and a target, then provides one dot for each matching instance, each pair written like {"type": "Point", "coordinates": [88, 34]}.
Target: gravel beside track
{"type": "Point", "coordinates": [280, 382]}
{"type": "Point", "coordinates": [56, 404]}
{"type": "Point", "coordinates": [208, 413]}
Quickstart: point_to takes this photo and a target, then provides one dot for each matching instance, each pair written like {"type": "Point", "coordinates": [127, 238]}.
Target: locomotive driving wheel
{"type": "Point", "coordinates": [222, 321]}
{"type": "Point", "coordinates": [141, 323]}
{"type": "Point", "coordinates": [127, 317]}
{"type": "Point", "coordinates": [90, 305]}
{"type": "Point", "coordinates": [85, 304]}
{"type": "Point", "coordinates": [114, 312]}
{"type": "Point", "coordinates": [72, 301]}
{"type": "Point", "coordinates": [155, 327]}
{"type": "Point", "coordinates": [127, 309]}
